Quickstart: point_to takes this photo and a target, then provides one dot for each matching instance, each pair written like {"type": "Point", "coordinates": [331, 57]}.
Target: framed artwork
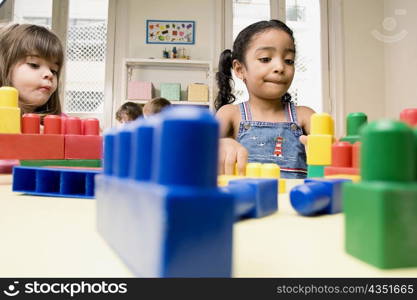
{"type": "Point", "coordinates": [170, 32]}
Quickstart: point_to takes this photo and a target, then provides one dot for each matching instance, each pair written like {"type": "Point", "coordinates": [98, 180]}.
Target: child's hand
{"type": "Point", "coordinates": [230, 153]}
{"type": "Point", "coordinates": [303, 140]}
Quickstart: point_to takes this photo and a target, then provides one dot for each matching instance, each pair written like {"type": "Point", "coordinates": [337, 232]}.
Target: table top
{"type": "Point", "coordinates": [57, 237]}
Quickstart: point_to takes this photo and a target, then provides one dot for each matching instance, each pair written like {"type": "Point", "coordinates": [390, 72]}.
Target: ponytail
{"type": "Point", "coordinates": [224, 78]}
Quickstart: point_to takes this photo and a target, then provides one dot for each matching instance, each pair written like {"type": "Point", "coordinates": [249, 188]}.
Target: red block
{"type": "Point", "coordinates": [31, 146]}
{"type": "Point", "coordinates": [340, 170]}
{"type": "Point", "coordinates": [83, 147]}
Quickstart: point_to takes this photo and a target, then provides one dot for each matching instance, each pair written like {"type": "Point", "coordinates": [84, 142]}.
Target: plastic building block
{"type": "Point", "coordinates": [256, 170]}
{"type": "Point", "coordinates": [198, 92]}
{"type": "Point", "coordinates": [409, 116]}
{"type": "Point", "coordinates": [9, 110]}
{"type": "Point", "coordinates": [354, 122]}
{"type": "Point", "coordinates": [57, 182]}
{"type": "Point", "coordinates": [6, 165]}
{"type": "Point", "coordinates": [140, 90]}
{"type": "Point", "coordinates": [88, 163]}
{"type": "Point", "coordinates": [255, 198]}
{"type": "Point", "coordinates": [319, 142]}
{"type": "Point", "coordinates": [31, 146]}
{"type": "Point", "coordinates": [353, 178]}
{"type": "Point", "coordinates": [342, 160]}
{"type": "Point", "coordinates": [315, 171]}
{"type": "Point", "coordinates": [318, 196]}
{"type": "Point", "coordinates": [171, 91]}
{"type": "Point", "coordinates": [179, 222]}
{"type": "Point", "coordinates": [381, 210]}
{"type": "Point", "coordinates": [82, 140]}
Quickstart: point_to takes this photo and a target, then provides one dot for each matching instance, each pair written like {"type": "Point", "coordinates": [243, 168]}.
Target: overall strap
{"type": "Point", "coordinates": [290, 112]}
{"type": "Point", "coordinates": [245, 111]}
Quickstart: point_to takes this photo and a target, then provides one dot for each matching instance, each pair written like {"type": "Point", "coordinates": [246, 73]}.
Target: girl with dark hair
{"type": "Point", "coordinates": [268, 128]}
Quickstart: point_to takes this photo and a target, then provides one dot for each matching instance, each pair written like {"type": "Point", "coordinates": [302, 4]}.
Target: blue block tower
{"type": "Point", "coordinates": [158, 206]}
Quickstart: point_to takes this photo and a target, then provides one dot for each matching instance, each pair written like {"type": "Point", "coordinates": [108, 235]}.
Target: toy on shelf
{"type": "Point", "coordinates": [318, 196]}
{"type": "Point", "coordinates": [197, 92]}
{"type": "Point", "coordinates": [160, 185]}
{"type": "Point", "coordinates": [140, 90]}
{"type": "Point", "coordinates": [381, 210]}
{"type": "Point", "coordinates": [354, 121]}
{"type": "Point", "coordinates": [171, 91]}
{"type": "Point", "coordinates": [319, 144]}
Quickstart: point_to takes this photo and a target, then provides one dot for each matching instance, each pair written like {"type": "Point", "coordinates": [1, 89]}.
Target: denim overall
{"type": "Point", "coordinates": [278, 143]}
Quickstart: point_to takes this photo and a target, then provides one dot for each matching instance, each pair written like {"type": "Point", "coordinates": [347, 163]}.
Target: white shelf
{"type": "Point", "coordinates": [157, 71]}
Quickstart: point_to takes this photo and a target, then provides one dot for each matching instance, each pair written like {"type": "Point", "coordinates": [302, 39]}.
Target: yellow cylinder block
{"type": "Point", "coordinates": [9, 96]}
{"type": "Point", "coordinates": [322, 124]}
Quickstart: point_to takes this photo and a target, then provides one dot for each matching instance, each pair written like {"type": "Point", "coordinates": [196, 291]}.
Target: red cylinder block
{"type": "Point", "coordinates": [73, 126]}
{"type": "Point", "coordinates": [342, 154]}
{"type": "Point", "coordinates": [91, 126]}
{"type": "Point", "coordinates": [409, 116]}
{"type": "Point", "coordinates": [356, 154]}
{"type": "Point", "coordinates": [31, 123]}
{"type": "Point", "coordinates": [52, 124]}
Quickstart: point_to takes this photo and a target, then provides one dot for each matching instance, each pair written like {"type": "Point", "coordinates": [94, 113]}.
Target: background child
{"type": "Point", "coordinates": [31, 58]}
{"type": "Point", "coordinates": [155, 105]}
{"type": "Point", "coordinates": [129, 111]}
{"type": "Point", "coordinates": [268, 127]}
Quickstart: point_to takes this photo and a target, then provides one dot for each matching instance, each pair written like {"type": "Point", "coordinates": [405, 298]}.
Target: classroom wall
{"type": "Point", "coordinates": [202, 12]}
{"type": "Point", "coordinates": [364, 82]}
{"type": "Point", "coordinates": [400, 55]}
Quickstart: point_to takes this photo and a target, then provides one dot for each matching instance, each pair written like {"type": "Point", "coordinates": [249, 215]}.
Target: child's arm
{"type": "Point", "coordinates": [304, 115]}
{"type": "Point", "coordinates": [230, 151]}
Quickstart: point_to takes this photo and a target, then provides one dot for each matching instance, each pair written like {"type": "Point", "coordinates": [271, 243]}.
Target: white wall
{"type": "Point", "coordinates": [400, 56]}
{"type": "Point", "coordinates": [364, 82]}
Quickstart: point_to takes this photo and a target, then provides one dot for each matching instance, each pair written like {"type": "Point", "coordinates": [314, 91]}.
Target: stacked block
{"type": "Point", "coordinates": [160, 185]}
{"type": "Point", "coordinates": [56, 182]}
{"type": "Point", "coordinates": [318, 196]}
{"type": "Point", "coordinates": [198, 92]}
{"type": "Point", "coordinates": [79, 140]}
{"type": "Point", "coordinates": [256, 170]}
{"type": "Point", "coordinates": [409, 116]}
{"type": "Point", "coordinates": [319, 144]}
{"type": "Point", "coordinates": [345, 159]}
{"type": "Point", "coordinates": [381, 210]}
{"type": "Point", "coordinates": [140, 90]}
{"type": "Point", "coordinates": [354, 122]}
{"type": "Point", "coordinates": [9, 110]}
{"type": "Point", "coordinates": [171, 91]}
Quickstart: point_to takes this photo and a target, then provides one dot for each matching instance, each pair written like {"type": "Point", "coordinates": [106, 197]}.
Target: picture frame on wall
{"type": "Point", "coordinates": [170, 32]}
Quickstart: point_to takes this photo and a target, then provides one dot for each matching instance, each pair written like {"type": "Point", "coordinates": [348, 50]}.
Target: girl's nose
{"type": "Point", "coordinates": [279, 67]}
{"type": "Point", "coordinates": [47, 74]}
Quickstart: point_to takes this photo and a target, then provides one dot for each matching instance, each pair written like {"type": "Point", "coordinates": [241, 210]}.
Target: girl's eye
{"type": "Point", "coordinates": [264, 59]}
{"type": "Point", "coordinates": [55, 72]}
{"type": "Point", "coordinates": [289, 61]}
{"type": "Point", "coordinates": [33, 65]}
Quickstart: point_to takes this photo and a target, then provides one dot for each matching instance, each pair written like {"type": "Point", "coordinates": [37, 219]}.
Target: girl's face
{"type": "Point", "coordinates": [36, 80]}
{"type": "Point", "coordinates": [269, 68]}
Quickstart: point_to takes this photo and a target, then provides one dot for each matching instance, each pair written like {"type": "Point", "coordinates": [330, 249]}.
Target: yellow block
{"type": "Point", "coordinates": [9, 120]}
{"type": "Point", "coordinates": [319, 149]}
{"type": "Point", "coordinates": [253, 170]}
{"type": "Point", "coordinates": [9, 96]}
{"type": "Point", "coordinates": [223, 180]}
{"type": "Point", "coordinates": [322, 124]}
{"type": "Point", "coordinates": [282, 183]}
{"type": "Point", "coordinates": [354, 178]}
{"type": "Point", "coordinates": [270, 171]}
{"type": "Point", "coordinates": [198, 92]}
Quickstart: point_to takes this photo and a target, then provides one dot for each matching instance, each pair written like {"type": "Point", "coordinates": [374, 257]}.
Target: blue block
{"type": "Point", "coordinates": [169, 218]}
{"type": "Point", "coordinates": [72, 183]}
{"type": "Point", "coordinates": [318, 196]}
{"type": "Point", "coordinates": [254, 198]}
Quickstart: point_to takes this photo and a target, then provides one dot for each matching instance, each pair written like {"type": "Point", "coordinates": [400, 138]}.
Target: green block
{"type": "Point", "coordinates": [351, 139]}
{"type": "Point", "coordinates": [315, 171]}
{"type": "Point", "coordinates": [91, 163]}
{"type": "Point", "coordinates": [381, 223]}
{"type": "Point", "coordinates": [171, 91]}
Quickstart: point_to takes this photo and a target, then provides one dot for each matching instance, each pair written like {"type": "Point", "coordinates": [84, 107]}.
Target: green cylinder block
{"type": "Point", "coordinates": [389, 152]}
{"type": "Point", "coordinates": [354, 121]}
